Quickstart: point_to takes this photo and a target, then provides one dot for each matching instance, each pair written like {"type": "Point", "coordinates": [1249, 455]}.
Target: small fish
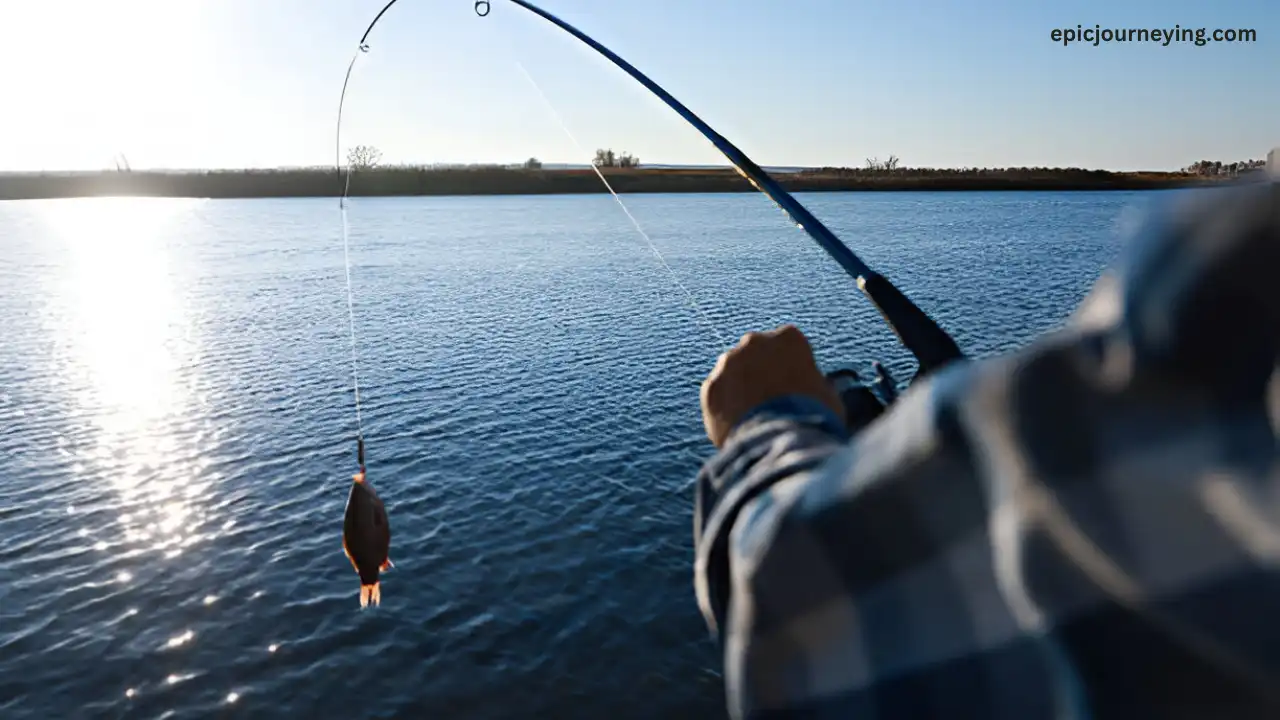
{"type": "Point", "coordinates": [366, 537]}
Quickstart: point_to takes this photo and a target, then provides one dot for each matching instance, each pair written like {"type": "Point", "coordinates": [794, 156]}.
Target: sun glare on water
{"type": "Point", "coordinates": [125, 316]}
{"type": "Point", "coordinates": [129, 361]}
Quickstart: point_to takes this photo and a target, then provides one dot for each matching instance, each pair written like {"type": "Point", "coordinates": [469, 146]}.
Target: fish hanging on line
{"type": "Point", "coordinates": [366, 537]}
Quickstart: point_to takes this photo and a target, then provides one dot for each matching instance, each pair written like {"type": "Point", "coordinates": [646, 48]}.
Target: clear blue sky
{"type": "Point", "coordinates": [234, 83]}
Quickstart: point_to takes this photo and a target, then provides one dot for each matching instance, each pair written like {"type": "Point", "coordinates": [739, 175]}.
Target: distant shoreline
{"type": "Point", "coordinates": [411, 181]}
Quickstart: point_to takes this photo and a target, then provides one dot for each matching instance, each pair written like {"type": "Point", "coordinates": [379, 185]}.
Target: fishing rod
{"type": "Point", "coordinates": [931, 345]}
{"type": "Point", "coordinates": [919, 333]}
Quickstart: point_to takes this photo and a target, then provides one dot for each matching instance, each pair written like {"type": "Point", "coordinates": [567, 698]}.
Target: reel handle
{"type": "Point", "coordinates": [864, 401]}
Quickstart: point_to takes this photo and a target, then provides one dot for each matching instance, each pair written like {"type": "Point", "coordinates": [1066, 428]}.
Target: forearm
{"type": "Point", "coordinates": [840, 576]}
{"type": "Point", "coordinates": [780, 440]}
{"type": "Point", "coordinates": [1083, 529]}
{"type": "Point", "coordinates": [875, 579]}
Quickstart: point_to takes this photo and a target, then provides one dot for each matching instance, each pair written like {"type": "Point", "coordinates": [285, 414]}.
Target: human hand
{"type": "Point", "coordinates": [762, 367]}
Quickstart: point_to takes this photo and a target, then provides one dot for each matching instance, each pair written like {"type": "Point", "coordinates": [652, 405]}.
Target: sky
{"type": "Point", "coordinates": [938, 83]}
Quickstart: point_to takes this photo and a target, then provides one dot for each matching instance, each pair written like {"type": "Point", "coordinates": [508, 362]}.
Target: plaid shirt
{"type": "Point", "coordinates": [1089, 528]}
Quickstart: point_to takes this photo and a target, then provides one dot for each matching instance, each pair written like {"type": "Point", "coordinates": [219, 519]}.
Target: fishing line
{"type": "Point", "coordinates": [715, 331]}
{"type": "Point", "coordinates": [346, 242]}
{"type": "Point", "coordinates": [362, 47]}
{"type": "Point", "coordinates": [920, 333]}
{"type": "Point", "coordinates": [700, 313]}
{"type": "Point", "coordinates": [351, 322]}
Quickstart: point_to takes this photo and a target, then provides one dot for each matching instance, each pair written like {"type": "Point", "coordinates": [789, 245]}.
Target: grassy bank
{"type": "Point", "coordinates": [402, 181]}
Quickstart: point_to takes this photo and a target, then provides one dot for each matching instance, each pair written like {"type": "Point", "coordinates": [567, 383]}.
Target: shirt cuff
{"type": "Point", "coordinates": [792, 407]}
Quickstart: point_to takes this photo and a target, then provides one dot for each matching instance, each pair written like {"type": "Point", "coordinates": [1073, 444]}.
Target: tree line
{"type": "Point", "coordinates": [1217, 168]}
{"type": "Point", "coordinates": [371, 177]}
{"type": "Point", "coordinates": [502, 180]}
{"type": "Point", "coordinates": [368, 157]}
{"type": "Point", "coordinates": [893, 166]}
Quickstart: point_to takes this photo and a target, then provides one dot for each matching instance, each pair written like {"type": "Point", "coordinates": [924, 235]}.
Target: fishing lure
{"type": "Point", "coordinates": [366, 534]}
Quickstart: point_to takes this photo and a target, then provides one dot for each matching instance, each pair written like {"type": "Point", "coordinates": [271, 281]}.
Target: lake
{"type": "Point", "coordinates": [175, 393]}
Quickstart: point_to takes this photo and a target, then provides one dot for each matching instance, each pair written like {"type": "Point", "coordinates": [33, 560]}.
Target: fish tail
{"type": "Point", "coordinates": [370, 594]}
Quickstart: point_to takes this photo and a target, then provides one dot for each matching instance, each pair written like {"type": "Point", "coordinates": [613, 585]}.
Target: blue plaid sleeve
{"type": "Point", "coordinates": [1089, 528]}
{"type": "Point", "coordinates": [834, 572]}
{"type": "Point", "coordinates": [785, 436]}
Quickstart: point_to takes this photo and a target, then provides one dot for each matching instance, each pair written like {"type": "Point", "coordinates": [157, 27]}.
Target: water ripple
{"type": "Point", "coordinates": [177, 400]}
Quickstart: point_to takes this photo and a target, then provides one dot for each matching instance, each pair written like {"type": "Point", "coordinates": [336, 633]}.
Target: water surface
{"type": "Point", "coordinates": [175, 394]}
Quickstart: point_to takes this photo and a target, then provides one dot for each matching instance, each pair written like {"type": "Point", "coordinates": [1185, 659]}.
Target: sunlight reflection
{"type": "Point", "coordinates": [125, 309]}
{"type": "Point", "coordinates": [180, 640]}
{"type": "Point", "coordinates": [129, 352]}
{"type": "Point", "coordinates": [174, 515]}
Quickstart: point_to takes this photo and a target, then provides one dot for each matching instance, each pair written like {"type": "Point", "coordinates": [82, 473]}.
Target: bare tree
{"type": "Point", "coordinates": [363, 157]}
{"type": "Point", "coordinates": [892, 163]}
{"type": "Point", "coordinates": [627, 160]}
{"type": "Point", "coordinates": [606, 158]}
{"type": "Point", "coordinates": [533, 164]}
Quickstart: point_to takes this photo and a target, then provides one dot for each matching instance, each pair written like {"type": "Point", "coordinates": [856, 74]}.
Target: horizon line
{"type": "Point", "coordinates": [327, 167]}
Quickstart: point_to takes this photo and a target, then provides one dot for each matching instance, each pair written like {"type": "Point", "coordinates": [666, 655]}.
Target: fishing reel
{"type": "Point", "coordinates": [864, 400]}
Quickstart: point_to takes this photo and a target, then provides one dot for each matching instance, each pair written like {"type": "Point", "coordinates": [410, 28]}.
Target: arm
{"type": "Point", "coordinates": [855, 579]}
{"type": "Point", "coordinates": [876, 579]}
{"type": "Point", "coordinates": [787, 437]}
{"type": "Point", "coordinates": [1086, 529]}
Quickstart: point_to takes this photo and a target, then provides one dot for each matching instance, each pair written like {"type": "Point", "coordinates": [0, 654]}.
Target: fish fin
{"type": "Point", "coordinates": [370, 594]}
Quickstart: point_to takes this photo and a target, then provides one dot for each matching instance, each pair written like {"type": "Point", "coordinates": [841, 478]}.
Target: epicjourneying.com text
{"type": "Point", "coordinates": [1097, 35]}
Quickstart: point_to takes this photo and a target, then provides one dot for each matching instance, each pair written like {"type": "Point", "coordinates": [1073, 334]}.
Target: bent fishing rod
{"type": "Point", "coordinates": [919, 333]}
